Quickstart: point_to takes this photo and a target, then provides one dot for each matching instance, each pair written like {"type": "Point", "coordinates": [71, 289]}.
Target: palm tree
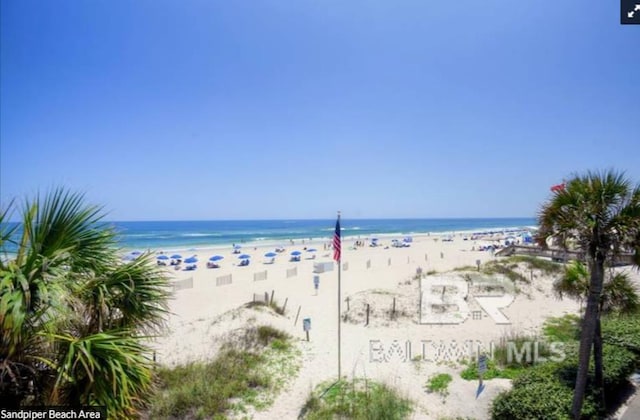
{"type": "Point", "coordinates": [618, 291]}
{"type": "Point", "coordinates": [73, 317]}
{"type": "Point", "coordinates": [600, 213]}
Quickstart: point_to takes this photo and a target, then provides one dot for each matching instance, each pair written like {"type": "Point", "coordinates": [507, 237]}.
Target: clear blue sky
{"type": "Point", "coordinates": [168, 110]}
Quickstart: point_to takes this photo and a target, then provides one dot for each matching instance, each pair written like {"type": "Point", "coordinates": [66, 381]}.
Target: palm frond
{"type": "Point", "coordinates": [107, 369]}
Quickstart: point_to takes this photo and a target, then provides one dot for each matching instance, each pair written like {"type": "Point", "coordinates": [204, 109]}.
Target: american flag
{"type": "Point", "coordinates": [336, 242]}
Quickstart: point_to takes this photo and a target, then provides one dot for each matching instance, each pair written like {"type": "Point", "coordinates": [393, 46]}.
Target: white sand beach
{"type": "Point", "coordinates": [373, 275]}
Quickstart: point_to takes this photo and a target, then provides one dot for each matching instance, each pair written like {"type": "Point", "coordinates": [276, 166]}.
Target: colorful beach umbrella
{"type": "Point", "coordinates": [216, 258]}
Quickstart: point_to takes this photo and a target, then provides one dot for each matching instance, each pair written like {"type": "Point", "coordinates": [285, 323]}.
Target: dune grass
{"type": "Point", "coordinates": [359, 399]}
{"type": "Point", "coordinates": [247, 372]}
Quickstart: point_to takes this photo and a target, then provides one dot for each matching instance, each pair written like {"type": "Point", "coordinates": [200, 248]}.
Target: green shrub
{"type": "Point", "coordinates": [267, 333]}
{"type": "Point", "coordinates": [623, 331]}
{"type": "Point", "coordinates": [439, 383]}
{"type": "Point", "coordinates": [470, 373]}
{"type": "Point", "coordinates": [544, 391]}
{"type": "Point", "coordinates": [618, 364]}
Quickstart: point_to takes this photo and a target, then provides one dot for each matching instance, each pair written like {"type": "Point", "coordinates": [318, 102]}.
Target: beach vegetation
{"type": "Point", "coordinates": [248, 371]}
{"type": "Point", "coordinates": [621, 355]}
{"type": "Point", "coordinates": [562, 329]}
{"type": "Point", "coordinates": [466, 268]}
{"type": "Point", "coordinates": [271, 304]}
{"type": "Point", "coordinates": [439, 383]}
{"type": "Point", "coordinates": [74, 317]}
{"type": "Point", "coordinates": [509, 270]}
{"type": "Point", "coordinates": [619, 294]}
{"type": "Point", "coordinates": [359, 399]}
{"type": "Point", "coordinates": [599, 214]}
{"type": "Point", "coordinates": [545, 266]}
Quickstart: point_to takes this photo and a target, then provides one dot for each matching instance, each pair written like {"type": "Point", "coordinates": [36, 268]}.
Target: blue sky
{"type": "Point", "coordinates": [166, 110]}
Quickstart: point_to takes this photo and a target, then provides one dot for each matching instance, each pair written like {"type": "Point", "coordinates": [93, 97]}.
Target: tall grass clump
{"type": "Point", "coordinates": [247, 371]}
{"type": "Point", "coordinates": [359, 399]}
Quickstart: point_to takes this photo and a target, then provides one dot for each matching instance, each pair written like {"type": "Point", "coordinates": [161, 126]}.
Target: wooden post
{"type": "Point", "coordinates": [367, 315]}
{"type": "Point", "coordinates": [298, 314]}
{"type": "Point", "coordinates": [307, 332]}
{"type": "Point", "coordinates": [266, 298]}
{"type": "Point", "coordinates": [393, 311]}
{"type": "Point", "coordinates": [271, 300]}
{"type": "Point", "coordinates": [284, 307]}
{"type": "Point", "coordinates": [347, 299]}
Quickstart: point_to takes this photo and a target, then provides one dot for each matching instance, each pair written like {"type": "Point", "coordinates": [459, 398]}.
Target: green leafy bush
{"type": "Point", "coordinates": [623, 331]}
{"type": "Point", "coordinates": [439, 383]}
{"type": "Point", "coordinates": [544, 391]}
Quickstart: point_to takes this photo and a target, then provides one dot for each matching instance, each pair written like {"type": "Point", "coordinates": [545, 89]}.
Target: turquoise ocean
{"type": "Point", "coordinates": [168, 235]}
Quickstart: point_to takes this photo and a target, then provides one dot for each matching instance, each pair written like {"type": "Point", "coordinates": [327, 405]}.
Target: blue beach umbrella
{"type": "Point", "coordinates": [296, 253]}
{"type": "Point", "coordinates": [270, 254]}
{"type": "Point", "coordinates": [135, 253]}
{"type": "Point", "coordinates": [176, 256]}
{"type": "Point", "coordinates": [163, 257]}
{"type": "Point", "coordinates": [237, 246]}
{"type": "Point", "coordinates": [216, 258]}
{"type": "Point", "coordinates": [191, 260]}
{"type": "Point", "coordinates": [244, 256]}
{"type": "Point", "coordinates": [311, 250]}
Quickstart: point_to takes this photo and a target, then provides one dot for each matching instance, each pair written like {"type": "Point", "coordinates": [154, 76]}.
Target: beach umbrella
{"type": "Point", "coordinates": [176, 256]}
{"type": "Point", "coordinates": [237, 246]}
{"type": "Point", "coordinates": [216, 258]}
{"type": "Point", "coordinates": [311, 250]}
{"type": "Point", "coordinates": [270, 254]}
{"type": "Point", "coordinates": [244, 256]}
{"type": "Point", "coordinates": [136, 253]}
{"type": "Point", "coordinates": [191, 260]}
{"type": "Point", "coordinates": [163, 257]}
{"type": "Point", "coordinates": [296, 253]}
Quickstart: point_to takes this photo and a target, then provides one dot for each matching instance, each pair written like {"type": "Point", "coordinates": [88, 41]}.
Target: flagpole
{"type": "Point", "coordinates": [339, 300]}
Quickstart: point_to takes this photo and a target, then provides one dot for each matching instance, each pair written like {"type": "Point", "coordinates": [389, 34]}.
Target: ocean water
{"type": "Point", "coordinates": [168, 235]}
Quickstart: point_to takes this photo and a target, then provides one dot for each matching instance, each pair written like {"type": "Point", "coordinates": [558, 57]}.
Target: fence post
{"type": "Point", "coordinates": [393, 311]}
{"type": "Point", "coordinates": [271, 300]}
{"type": "Point", "coordinates": [284, 307]}
{"type": "Point", "coordinates": [367, 315]}
{"type": "Point", "coordinates": [298, 314]}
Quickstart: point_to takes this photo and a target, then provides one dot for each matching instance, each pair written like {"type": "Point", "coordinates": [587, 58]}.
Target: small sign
{"type": "Point", "coordinates": [306, 324]}
{"type": "Point", "coordinates": [316, 282]}
{"type": "Point", "coordinates": [482, 364]}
